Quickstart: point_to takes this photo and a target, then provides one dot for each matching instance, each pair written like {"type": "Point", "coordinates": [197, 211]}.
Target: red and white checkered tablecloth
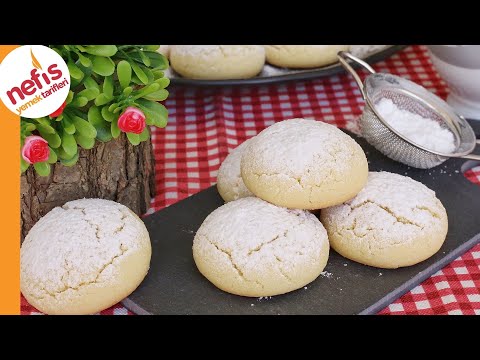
{"type": "Point", "coordinates": [205, 124]}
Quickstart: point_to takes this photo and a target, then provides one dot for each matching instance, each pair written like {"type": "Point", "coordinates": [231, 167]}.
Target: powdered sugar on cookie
{"type": "Point", "coordinates": [299, 145]}
{"type": "Point", "coordinates": [396, 206]}
{"type": "Point", "coordinates": [78, 244]}
{"type": "Point", "coordinates": [255, 248]}
{"type": "Point", "coordinates": [304, 164]}
{"type": "Point", "coordinates": [206, 51]}
{"type": "Point", "coordinates": [229, 180]}
{"type": "Point", "coordinates": [394, 221]}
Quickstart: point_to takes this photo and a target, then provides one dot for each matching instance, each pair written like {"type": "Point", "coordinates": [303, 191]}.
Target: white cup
{"type": "Point", "coordinates": [459, 66]}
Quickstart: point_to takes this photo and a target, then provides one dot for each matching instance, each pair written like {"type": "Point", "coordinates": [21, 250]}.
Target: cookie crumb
{"type": "Point", "coordinates": [326, 274]}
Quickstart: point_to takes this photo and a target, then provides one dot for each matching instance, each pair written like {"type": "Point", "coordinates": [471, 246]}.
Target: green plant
{"type": "Point", "coordinates": [105, 80]}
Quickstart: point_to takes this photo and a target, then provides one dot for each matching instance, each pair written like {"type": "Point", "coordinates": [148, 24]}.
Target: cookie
{"type": "Point", "coordinates": [304, 164]}
{"type": "Point", "coordinates": [164, 50]}
{"type": "Point", "coordinates": [229, 179]}
{"type": "Point", "coordinates": [303, 56]}
{"type": "Point", "coordinates": [84, 257]}
{"type": "Point", "coordinates": [249, 247]}
{"type": "Point", "coordinates": [217, 62]}
{"type": "Point", "coordinates": [393, 222]}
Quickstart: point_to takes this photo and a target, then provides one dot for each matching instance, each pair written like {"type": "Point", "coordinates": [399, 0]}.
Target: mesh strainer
{"type": "Point", "coordinates": [409, 96]}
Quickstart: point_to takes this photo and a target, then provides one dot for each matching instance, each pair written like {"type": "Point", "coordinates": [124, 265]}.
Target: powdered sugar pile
{"type": "Point", "coordinates": [270, 70]}
{"type": "Point", "coordinates": [420, 130]}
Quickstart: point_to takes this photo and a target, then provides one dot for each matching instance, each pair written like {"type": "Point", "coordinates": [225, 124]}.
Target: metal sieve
{"type": "Point", "coordinates": [408, 96]}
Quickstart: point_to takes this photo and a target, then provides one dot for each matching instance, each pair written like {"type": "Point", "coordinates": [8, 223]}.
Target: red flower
{"type": "Point", "coordinates": [35, 149]}
{"type": "Point", "coordinates": [59, 111]}
{"type": "Point", "coordinates": [132, 120]}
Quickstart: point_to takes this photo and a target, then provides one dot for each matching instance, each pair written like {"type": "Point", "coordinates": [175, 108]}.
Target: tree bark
{"type": "Point", "coordinates": [115, 170]}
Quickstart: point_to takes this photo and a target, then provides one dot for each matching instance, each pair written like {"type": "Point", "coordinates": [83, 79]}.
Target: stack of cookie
{"type": "Point", "coordinates": [266, 241]}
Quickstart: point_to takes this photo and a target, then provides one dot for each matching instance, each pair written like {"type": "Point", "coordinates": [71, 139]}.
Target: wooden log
{"type": "Point", "coordinates": [115, 170]}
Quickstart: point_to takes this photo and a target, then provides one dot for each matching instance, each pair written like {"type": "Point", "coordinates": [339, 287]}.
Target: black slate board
{"type": "Point", "coordinates": [174, 285]}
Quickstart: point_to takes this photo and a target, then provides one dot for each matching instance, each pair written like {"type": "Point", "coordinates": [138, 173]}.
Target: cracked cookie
{"type": "Point", "coordinates": [250, 247]}
{"type": "Point", "coordinates": [304, 164]}
{"type": "Point", "coordinates": [393, 222]}
{"type": "Point", "coordinates": [229, 180]}
{"type": "Point", "coordinates": [303, 56]}
{"type": "Point", "coordinates": [84, 257]}
{"type": "Point", "coordinates": [217, 62]}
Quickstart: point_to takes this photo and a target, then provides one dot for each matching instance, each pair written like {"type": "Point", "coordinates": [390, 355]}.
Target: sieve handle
{"type": "Point", "coordinates": [472, 156]}
{"type": "Point", "coordinates": [343, 56]}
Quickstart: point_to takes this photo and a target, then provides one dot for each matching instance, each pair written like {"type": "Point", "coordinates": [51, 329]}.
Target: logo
{"type": "Point", "coordinates": [34, 81]}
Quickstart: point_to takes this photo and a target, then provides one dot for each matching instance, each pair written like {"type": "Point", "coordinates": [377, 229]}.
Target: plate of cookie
{"type": "Point", "coordinates": [307, 219]}
{"type": "Point", "coordinates": [226, 65]}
